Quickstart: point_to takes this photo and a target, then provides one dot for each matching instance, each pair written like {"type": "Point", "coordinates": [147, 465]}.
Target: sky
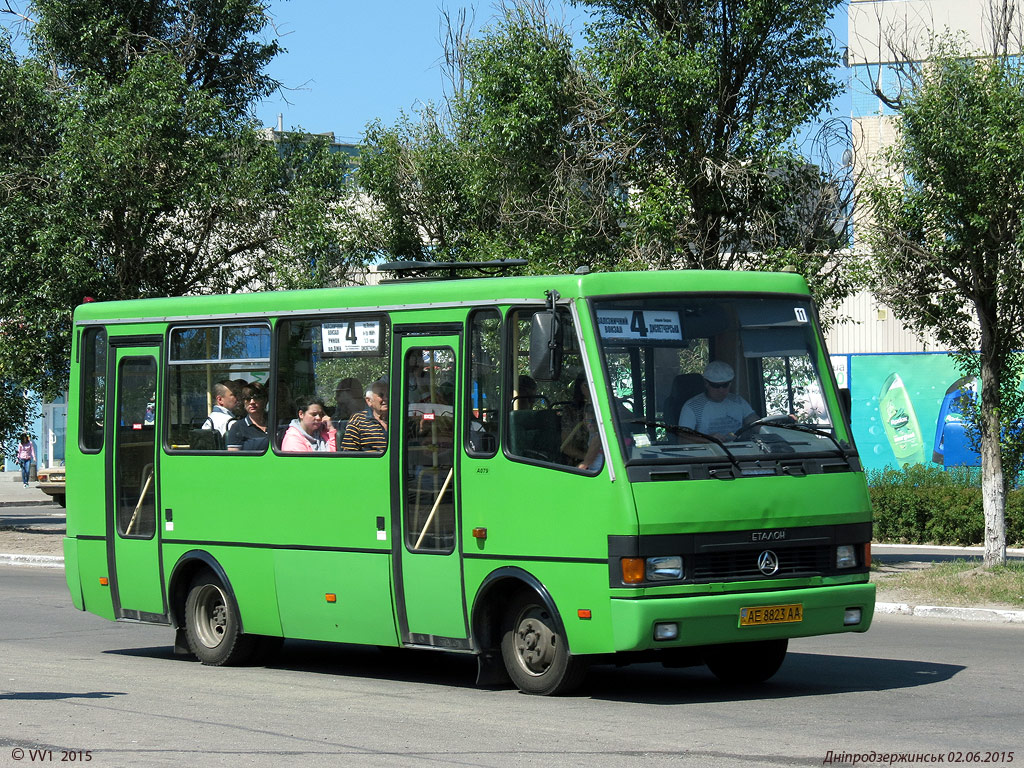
{"type": "Point", "coordinates": [368, 60]}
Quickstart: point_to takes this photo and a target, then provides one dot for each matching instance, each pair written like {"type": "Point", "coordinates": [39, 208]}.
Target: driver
{"type": "Point", "coordinates": [717, 412]}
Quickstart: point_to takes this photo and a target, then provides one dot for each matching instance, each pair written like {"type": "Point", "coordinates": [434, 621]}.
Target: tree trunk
{"type": "Point", "coordinates": [993, 486]}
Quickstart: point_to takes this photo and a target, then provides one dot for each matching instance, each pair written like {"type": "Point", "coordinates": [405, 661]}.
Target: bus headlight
{"type": "Point", "coordinates": [664, 568]}
{"type": "Point", "coordinates": [846, 556]}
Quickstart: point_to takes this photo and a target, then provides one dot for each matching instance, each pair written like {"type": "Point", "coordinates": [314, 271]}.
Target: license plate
{"type": "Point", "coordinates": [771, 614]}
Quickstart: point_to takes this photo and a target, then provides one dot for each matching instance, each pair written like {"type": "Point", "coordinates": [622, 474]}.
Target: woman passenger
{"type": "Point", "coordinates": [250, 433]}
{"type": "Point", "coordinates": [312, 431]}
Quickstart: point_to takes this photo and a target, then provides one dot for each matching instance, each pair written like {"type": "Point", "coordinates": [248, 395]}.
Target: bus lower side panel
{"type": "Point", "coordinates": [715, 619]}
{"type": "Point", "coordinates": [307, 595]}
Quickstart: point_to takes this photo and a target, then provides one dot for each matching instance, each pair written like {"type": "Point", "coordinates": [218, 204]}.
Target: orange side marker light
{"type": "Point", "coordinates": [104, 581]}
{"type": "Point", "coordinates": [331, 597]}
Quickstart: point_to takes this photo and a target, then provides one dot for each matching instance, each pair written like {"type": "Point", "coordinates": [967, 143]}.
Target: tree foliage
{"type": "Point", "coordinates": [707, 95]}
{"type": "Point", "coordinates": [663, 142]}
{"type": "Point", "coordinates": [132, 168]}
{"type": "Point", "coordinates": [947, 236]}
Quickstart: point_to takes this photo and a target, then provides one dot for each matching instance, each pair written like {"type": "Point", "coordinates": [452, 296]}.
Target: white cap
{"type": "Point", "coordinates": [718, 372]}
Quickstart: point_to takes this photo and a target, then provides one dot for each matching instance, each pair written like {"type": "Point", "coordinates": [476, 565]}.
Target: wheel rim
{"type": "Point", "coordinates": [535, 642]}
{"type": "Point", "coordinates": [210, 615]}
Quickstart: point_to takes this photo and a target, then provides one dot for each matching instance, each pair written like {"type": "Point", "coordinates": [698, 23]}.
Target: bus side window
{"type": "Point", "coordinates": [209, 366]}
{"type": "Point", "coordinates": [549, 421]}
{"type": "Point", "coordinates": [330, 363]}
{"type": "Point", "coordinates": [94, 389]}
{"type": "Point", "coordinates": [484, 390]}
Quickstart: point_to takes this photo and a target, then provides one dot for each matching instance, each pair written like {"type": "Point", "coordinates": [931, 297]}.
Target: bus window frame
{"type": "Point", "coordinates": [167, 447]}
{"type": "Point", "coordinates": [387, 341]}
{"type": "Point", "coordinates": [511, 359]}
{"type": "Point", "coordinates": [84, 371]}
{"type": "Point", "coordinates": [502, 344]}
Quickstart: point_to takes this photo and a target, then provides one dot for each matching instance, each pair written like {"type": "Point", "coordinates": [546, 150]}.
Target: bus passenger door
{"type": "Point", "coordinates": [428, 553]}
{"type": "Point", "coordinates": [132, 483]}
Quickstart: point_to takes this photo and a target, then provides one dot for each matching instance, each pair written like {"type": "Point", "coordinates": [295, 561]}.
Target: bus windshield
{"type": "Point", "coordinates": [710, 378]}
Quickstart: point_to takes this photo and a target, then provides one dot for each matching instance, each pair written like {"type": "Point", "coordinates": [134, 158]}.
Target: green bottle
{"type": "Point", "coordinates": [900, 422]}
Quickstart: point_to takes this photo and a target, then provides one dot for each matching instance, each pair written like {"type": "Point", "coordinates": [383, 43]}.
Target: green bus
{"type": "Point", "coordinates": [539, 470]}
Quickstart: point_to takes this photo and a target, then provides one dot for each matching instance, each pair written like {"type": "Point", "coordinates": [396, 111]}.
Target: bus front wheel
{"type": "Point", "coordinates": [746, 663]}
{"type": "Point", "coordinates": [212, 624]}
{"type": "Point", "coordinates": [535, 653]}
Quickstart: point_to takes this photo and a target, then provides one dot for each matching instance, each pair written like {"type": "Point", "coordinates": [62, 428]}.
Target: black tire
{"type": "Point", "coordinates": [535, 652]}
{"type": "Point", "coordinates": [212, 625]}
{"type": "Point", "coordinates": [743, 663]}
{"type": "Point", "coordinates": [61, 499]}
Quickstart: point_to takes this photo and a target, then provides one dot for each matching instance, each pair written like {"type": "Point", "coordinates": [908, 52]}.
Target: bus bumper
{"type": "Point", "coordinates": [715, 619]}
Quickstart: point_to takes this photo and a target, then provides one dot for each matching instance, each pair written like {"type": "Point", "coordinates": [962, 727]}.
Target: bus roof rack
{"type": "Point", "coordinates": [449, 270]}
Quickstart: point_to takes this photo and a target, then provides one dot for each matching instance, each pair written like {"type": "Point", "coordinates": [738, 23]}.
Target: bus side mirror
{"type": "Point", "coordinates": [546, 346]}
{"type": "Point", "coordinates": [846, 403]}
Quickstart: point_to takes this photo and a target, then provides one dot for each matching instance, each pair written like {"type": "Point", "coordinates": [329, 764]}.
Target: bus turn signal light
{"type": "Point", "coordinates": [583, 613]}
{"type": "Point", "coordinates": [331, 597]}
{"type": "Point", "coordinates": [479, 533]}
{"type": "Point", "coordinates": [104, 581]}
{"type": "Point", "coordinates": [632, 570]}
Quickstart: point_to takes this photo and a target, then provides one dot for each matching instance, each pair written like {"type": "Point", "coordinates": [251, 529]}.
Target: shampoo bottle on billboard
{"type": "Point", "coordinates": [900, 422]}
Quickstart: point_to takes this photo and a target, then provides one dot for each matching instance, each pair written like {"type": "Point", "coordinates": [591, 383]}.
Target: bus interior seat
{"type": "Point", "coordinates": [535, 434]}
{"type": "Point", "coordinates": [206, 440]}
{"type": "Point", "coordinates": [684, 386]}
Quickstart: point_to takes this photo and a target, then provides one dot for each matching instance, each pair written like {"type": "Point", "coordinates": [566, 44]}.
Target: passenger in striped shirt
{"type": "Point", "coordinates": [369, 432]}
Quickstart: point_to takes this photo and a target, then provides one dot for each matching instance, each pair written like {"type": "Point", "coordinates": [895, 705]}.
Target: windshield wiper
{"type": "Point", "coordinates": [784, 422]}
{"type": "Point", "coordinates": [679, 429]}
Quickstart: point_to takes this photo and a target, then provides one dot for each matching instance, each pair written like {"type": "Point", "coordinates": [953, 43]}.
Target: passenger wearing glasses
{"type": "Point", "coordinates": [250, 432]}
{"type": "Point", "coordinates": [717, 412]}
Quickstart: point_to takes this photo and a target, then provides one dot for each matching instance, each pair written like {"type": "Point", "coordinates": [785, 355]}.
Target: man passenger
{"type": "Point", "coordinates": [369, 432]}
{"type": "Point", "coordinates": [223, 413]}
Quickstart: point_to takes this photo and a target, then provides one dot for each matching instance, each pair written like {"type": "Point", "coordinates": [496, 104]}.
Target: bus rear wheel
{"type": "Point", "coordinates": [535, 653]}
{"type": "Point", "coordinates": [743, 663]}
{"type": "Point", "coordinates": [212, 625]}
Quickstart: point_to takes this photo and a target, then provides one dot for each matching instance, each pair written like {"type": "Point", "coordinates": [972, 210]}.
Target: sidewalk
{"type": "Point", "coordinates": [14, 494]}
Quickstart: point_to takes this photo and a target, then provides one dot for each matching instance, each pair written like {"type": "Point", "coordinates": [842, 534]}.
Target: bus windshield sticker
{"type": "Point", "coordinates": [351, 337]}
{"type": "Point", "coordinates": [639, 325]}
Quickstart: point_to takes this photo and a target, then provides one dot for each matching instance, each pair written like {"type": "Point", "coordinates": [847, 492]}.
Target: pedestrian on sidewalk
{"type": "Point", "coordinates": [26, 455]}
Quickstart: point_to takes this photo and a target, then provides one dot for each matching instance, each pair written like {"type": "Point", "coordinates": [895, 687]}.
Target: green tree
{"type": "Point", "coordinates": [946, 234]}
{"type": "Point", "coordinates": [511, 166]}
{"type": "Point", "coordinates": [133, 168]}
{"type": "Point", "coordinates": [707, 96]}
{"type": "Point", "coordinates": [659, 144]}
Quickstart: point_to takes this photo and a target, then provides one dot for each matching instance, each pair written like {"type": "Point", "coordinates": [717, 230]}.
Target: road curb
{"type": "Point", "coordinates": [29, 503]}
{"type": "Point", "coordinates": [39, 561]}
{"type": "Point", "coordinates": [946, 612]}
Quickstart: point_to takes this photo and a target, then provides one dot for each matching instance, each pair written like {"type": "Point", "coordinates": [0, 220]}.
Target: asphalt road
{"type": "Point", "coordinates": [74, 682]}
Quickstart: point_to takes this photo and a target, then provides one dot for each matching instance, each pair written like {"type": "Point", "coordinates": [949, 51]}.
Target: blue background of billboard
{"type": "Point", "coordinates": [926, 377]}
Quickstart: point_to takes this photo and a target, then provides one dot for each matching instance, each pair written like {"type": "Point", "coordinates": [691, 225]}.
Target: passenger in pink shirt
{"type": "Point", "coordinates": [312, 431]}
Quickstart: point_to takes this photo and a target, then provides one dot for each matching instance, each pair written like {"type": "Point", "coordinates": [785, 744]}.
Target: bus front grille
{"type": "Point", "coordinates": [742, 564]}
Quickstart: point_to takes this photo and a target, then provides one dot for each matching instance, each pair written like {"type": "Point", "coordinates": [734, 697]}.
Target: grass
{"type": "Point", "coordinates": [955, 583]}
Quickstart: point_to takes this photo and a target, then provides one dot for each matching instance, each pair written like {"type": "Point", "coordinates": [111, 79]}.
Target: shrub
{"type": "Point", "coordinates": [924, 504]}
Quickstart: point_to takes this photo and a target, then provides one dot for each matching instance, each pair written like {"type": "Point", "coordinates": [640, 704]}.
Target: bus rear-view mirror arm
{"type": "Point", "coordinates": [546, 342]}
